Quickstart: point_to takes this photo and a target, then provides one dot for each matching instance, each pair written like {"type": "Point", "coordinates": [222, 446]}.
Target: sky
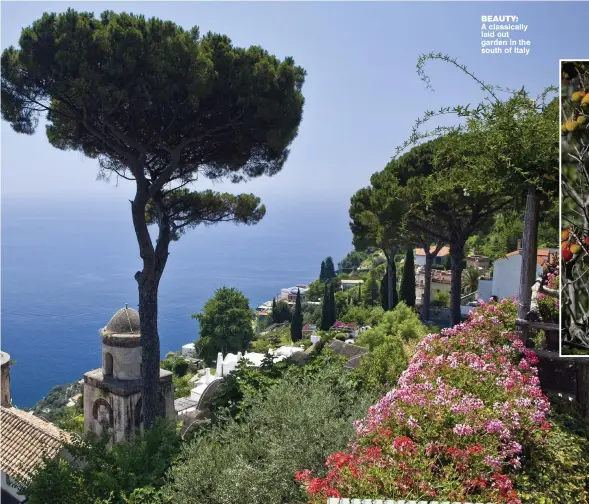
{"type": "Point", "coordinates": [362, 91]}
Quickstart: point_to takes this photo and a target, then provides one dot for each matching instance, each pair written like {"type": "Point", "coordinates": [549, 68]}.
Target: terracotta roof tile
{"type": "Point", "coordinates": [24, 438]}
{"type": "Point", "coordinates": [444, 251]}
{"type": "Point", "coordinates": [542, 254]}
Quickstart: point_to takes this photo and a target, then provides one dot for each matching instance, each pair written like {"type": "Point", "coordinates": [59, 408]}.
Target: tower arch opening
{"type": "Point", "coordinates": [108, 364]}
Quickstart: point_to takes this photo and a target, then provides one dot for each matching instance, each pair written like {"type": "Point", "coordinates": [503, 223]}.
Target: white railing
{"type": "Point", "coordinates": [333, 500]}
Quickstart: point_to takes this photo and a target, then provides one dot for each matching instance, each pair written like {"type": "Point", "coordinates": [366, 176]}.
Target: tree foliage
{"type": "Point", "coordinates": [327, 270]}
{"type": "Point", "coordinates": [380, 369]}
{"type": "Point", "coordinates": [161, 106]}
{"type": "Point", "coordinates": [281, 312]}
{"type": "Point", "coordinates": [354, 259]}
{"type": "Point", "coordinates": [225, 324]}
{"type": "Point", "coordinates": [470, 171]}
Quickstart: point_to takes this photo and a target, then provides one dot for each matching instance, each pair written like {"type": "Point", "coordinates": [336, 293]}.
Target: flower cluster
{"type": "Point", "coordinates": [549, 306]}
{"type": "Point", "coordinates": [464, 413]}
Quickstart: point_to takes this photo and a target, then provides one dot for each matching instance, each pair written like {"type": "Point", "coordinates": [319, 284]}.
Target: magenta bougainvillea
{"type": "Point", "coordinates": [465, 413]}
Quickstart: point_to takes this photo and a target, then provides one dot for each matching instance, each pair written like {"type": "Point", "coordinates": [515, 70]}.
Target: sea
{"type": "Point", "coordinates": [67, 266]}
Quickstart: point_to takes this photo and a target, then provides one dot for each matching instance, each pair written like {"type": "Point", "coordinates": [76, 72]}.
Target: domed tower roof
{"type": "Point", "coordinates": [125, 321]}
{"type": "Point", "coordinates": [4, 358]}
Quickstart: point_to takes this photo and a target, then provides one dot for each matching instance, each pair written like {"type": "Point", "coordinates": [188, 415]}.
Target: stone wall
{"type": "Point", "coordinates": [126, 362]}
{"type": "Point", "coordinates": [5, 390]}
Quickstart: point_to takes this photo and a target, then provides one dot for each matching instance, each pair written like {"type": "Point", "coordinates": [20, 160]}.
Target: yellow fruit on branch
{"type": "Point", "coordinates": [564, 234]}
{"type": "Point", "coordinates": [576, 248]}
{"type": "Point", "coordinates": [582, 119]}
{"type": "Point", "coordinates": [564, 129]}
{"type": "Point", "coordinates": [571, 125]}
{"type": "Point", "coordinates": [576, 96]}
{"type": "Point", "coordinates": [585, 100]}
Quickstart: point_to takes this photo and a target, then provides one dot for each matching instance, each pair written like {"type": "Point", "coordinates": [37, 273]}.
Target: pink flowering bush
{"type": "Point", "coordinates": [549, 306]}
{"type": "Point", "coordinates": [464, 415]}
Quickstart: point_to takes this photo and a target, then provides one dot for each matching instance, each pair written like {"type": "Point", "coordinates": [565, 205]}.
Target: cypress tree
{"type": "Point", "coordinates": [325, 317]}
{"type": "Point", "coordinates": [384, 292]}
{"type": "Point", "coordinates": [329, 269]}
{"type": "Point", "coordinates": [274, 313]}
{"type": "Point", "coordinates": [332, 314]}
{"type": "Point", "coordinates": [408, 280]}
{"type": "Point", "coordinates": [296, 326]}
{"type": "Point", "coordinates": [322, 273]}
{"type": "Point", "coordinates": [373, 291]}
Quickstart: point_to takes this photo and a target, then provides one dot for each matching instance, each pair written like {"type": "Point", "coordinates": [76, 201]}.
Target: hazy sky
{"type": "Point", "coordinates": [362, 91]}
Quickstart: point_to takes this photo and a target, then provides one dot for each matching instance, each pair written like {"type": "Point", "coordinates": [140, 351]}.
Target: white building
{"type": "Point", "coordinates": [440, 282]}
{"type": "Point", "coordinates": [507, 272]}
{"type": "Point", "coordinates": [438, 260]}
{"type": "Point", "coordinates": [290, 293]}
{"type": "Point", "coordinates": [350, 284]}
{"type": "Point", "coordinates": [265, 307]}
{"type": "Point", "coordinates": [188, 350]}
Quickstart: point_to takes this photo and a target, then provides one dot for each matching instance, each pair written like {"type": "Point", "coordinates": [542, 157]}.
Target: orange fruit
{"type": "Point", "coordinates": [576, 96]}
{"type": "Point", "coordinates": [571, 125]}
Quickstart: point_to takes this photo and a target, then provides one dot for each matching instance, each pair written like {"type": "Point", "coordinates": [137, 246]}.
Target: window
{"type": "Point", "coordinates": [108, 365]}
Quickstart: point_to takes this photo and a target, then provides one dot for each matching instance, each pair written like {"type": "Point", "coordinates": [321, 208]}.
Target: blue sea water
{"type": "Point", "coordinates": [68, 266]}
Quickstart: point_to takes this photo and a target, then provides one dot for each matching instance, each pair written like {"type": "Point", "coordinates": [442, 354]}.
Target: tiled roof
{"type": "Point", "coordinates": [348, 350]}
{"type": "Point", "coordinates": [443, 251]}
{"type": "Point", "coordinates": [24, 438]}
{"type": "Point", "coordinates": [184, 403]}
{"type": "Point", "coordinates": [309, 327]}
{"type": "Point", "coordinates": [542, 254]}
{"type": "Point", "coordinates": [344, 325]}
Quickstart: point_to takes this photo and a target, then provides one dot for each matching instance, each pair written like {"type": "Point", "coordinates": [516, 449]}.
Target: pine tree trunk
{"type": "Point", "coordinates": [154, 262]}
{"type": "Point", "coordinates": [389, 286]}
{"type": "Point", "coordinates": [150, 352]}
{"type": "Point", "coordinates": [529, 256]}
{"type": "Point", "coordinates": [457, 256]}
{"type": "Point", "coordinates": [427, 286]}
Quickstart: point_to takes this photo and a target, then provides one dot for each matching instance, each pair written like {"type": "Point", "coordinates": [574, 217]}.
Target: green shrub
{"type": "Point", "coordinates": [442, 299]}
{"type": "Point", "coordinates": [261, 345]}
{"type": "Point", "coordinates": [299, 421]}
{"type": "Point", "coordinates": [182, 386]}
{"type": "Point", "coordinates": [382, 367]}
{"type": "Point", "coordinates": [372, 338]}
{"type": "Point", "coordinates": [180, 367]}
{"type": "Point", "coordinates": [559, 472]}
{"type": "Point", "coordinates": [402, 322]}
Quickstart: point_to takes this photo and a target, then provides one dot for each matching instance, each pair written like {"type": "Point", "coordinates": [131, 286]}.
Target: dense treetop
{"type": "Point", "coordinates": [123, 87]}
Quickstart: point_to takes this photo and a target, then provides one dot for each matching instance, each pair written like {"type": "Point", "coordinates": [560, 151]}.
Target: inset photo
{"type": "Point", "coordinates": [574, 108]}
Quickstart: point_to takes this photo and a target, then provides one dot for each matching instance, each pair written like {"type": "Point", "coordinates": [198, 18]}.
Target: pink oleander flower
{"type": "Point", "coordinates": [463, 430]}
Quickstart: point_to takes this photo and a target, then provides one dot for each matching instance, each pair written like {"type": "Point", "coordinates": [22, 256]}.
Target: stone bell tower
{"type": "Point", "coordinates": [112, 393]}
{"type": "Point", "coordinates": [5, 380]}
